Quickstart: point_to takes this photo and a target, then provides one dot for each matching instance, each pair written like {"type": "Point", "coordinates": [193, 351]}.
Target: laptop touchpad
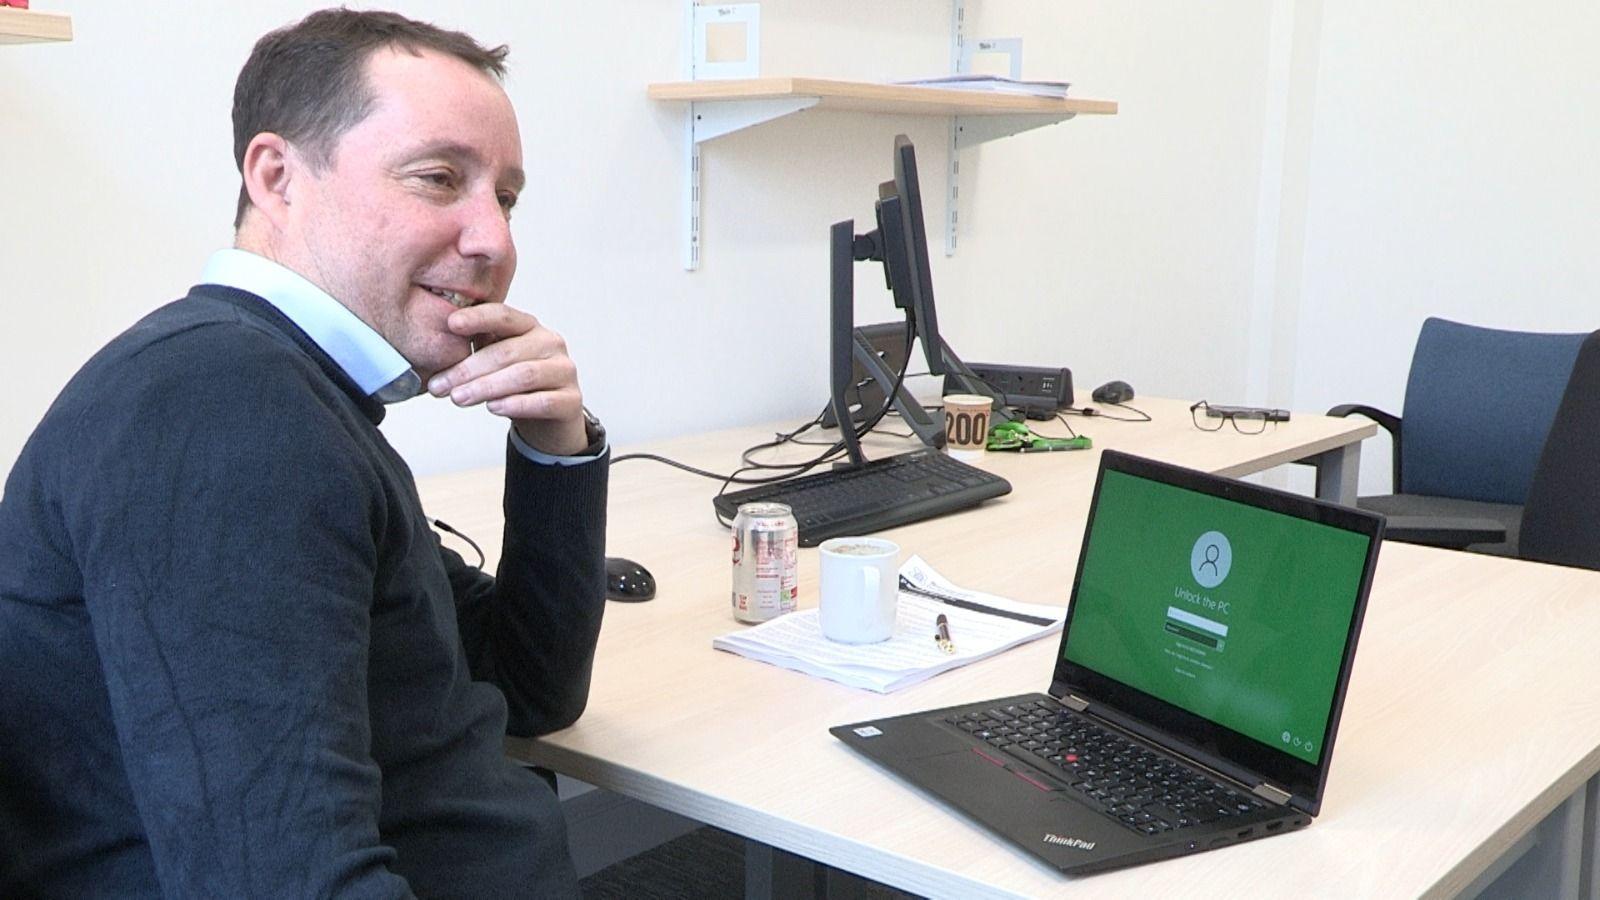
{"type": "Point", "coordinates": [971, 773]}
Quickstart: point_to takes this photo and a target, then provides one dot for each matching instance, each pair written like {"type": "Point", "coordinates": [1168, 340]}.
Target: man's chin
{"type": "Point", "coordinates": [431, 364]}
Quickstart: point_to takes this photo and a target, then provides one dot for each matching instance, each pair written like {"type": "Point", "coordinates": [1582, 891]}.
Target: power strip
{"type": "Point", "coordinates": [1037, 391]}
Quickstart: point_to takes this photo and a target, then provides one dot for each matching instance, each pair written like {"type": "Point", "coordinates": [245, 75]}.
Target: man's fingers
{"type": "Point", "coordinates": [494, 319]}
{"type": "Point", "coordinates": [523, 377]}
{"type": "Point", "coordinates": [520, 370]}
{"type": "Point", "coordinates": [551, 405]}
{"type": "Point", "coordinates": [538, 344]}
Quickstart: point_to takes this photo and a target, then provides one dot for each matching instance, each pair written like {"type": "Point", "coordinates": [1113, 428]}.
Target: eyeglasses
{"type": "Point", "coordinates": [1208, 418]}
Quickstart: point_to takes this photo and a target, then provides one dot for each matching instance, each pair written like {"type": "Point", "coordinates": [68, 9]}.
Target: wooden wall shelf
{"type": "Point", "coordinates": [857, 96]}
{"type": "Point", "coordinates": [26, 26]}
{"type": "Point", "coordinates": [720, 107]}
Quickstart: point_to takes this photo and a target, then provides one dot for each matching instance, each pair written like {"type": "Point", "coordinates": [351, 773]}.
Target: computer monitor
{"type": "Point", "coordinates": [900, 244]}
{"type": "Point", "coordinates": [915, 249]}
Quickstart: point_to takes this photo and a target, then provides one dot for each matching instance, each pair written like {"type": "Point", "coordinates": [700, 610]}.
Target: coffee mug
{"type": "Point", "coordinates": [860, 587]}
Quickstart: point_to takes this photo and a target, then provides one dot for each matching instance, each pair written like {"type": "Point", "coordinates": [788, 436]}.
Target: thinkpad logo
{"type": "Point", "coordinates": [1075, 843]}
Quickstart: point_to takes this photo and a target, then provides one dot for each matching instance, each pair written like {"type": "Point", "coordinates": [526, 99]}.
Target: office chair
{"type": "Point", "coordinates": [1561, 519]}
{"type": "Point", "coordinates": [1478, 404]}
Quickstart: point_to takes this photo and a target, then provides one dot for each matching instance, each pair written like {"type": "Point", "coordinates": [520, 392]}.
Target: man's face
{"type": "Point", "coordinates": [415, 204]}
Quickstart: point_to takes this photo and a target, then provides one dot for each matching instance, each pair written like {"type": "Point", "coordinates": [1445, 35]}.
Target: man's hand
{"type": "Point", "coordinates": [522, 371]}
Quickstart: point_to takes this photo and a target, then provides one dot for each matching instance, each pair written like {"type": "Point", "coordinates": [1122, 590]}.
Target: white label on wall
{"type": "Point", "coordinates": [727, 40]}
{"type": "Point", "coordinates": [992, 56]}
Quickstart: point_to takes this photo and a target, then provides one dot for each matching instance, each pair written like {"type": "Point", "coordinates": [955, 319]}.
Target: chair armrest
{"type": "Point", "coordinates": [1389, 422]}
{"type": "Point", "coordinates": [1443, 531]}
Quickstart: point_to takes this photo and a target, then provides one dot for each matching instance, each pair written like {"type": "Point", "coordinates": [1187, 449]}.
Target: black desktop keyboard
{"type": "Point", "coordinates": [882, 494]}
{"type": "Point", "coordinates": [1144, 790]}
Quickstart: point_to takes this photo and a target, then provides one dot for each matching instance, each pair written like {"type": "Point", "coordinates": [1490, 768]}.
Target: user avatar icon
{"type": "Point", "coordinates": [1211, 559]}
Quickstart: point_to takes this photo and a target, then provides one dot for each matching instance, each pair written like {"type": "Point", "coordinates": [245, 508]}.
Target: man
{"type": "Point", "coordinates": [234, 659]}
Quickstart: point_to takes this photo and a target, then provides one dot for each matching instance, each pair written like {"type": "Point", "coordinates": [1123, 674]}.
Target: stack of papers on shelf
{"type": "Point", "coordinates": [993, 83]}
{"type": "Point", "coordinates": [981, 625]}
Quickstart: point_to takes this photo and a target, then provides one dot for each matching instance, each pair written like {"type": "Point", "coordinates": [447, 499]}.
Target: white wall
{"type": "Point", "coordinates": [1226, 235]}
{"type": "Point", "coordinates": [1455, 171]}
{"type": "Point", "coordinates": [1122, 246]}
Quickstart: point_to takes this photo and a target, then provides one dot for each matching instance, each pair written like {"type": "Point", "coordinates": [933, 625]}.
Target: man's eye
{"type": "Point", "coordinates": [508, 201]}
{"type": "Point", "coordinates": [440, 179]}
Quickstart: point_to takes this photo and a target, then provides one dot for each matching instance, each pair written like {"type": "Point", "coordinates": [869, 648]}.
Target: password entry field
{"type": "Point", "coordinates": [1199, 629]}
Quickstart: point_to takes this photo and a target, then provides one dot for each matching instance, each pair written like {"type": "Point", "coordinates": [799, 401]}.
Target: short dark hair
{"type": "Point", "coordinates": [307, 83]}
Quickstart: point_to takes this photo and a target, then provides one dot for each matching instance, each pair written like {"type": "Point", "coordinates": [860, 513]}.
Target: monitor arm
{"type": "Point", "coordinates": [847, 344]}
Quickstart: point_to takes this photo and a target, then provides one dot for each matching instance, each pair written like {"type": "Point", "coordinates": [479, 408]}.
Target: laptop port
{"type": "Point", "coordinates": [1274, 826]}
{"type": "Point", "coordinates": [1246, 833]}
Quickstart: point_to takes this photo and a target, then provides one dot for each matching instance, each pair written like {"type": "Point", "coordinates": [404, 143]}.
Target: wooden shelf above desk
{"type": "Point", "coordinates": [26, 26]}
{"type": "Point", "coordinates": [720, 107]}
{"type": "Point", "coordinates": [859, 96]}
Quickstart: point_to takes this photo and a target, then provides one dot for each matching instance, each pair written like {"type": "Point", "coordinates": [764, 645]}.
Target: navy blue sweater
{"type": "Point", "coordinates": [235, 660]}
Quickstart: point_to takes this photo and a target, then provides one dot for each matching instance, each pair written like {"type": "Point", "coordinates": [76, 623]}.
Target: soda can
{"type": "Point", "coordinates": [766, 569]}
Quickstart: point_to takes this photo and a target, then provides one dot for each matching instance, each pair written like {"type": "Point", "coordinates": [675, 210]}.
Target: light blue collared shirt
{"type": "Point", "coordinates": [372, 363]}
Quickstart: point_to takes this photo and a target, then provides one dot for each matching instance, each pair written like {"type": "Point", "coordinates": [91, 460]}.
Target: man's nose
{"type": "Point", "coordinates": [486, 231]}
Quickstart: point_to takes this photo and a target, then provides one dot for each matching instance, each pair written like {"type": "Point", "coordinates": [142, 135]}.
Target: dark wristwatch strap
{"type": "Point", "coordinates": [595, 432]}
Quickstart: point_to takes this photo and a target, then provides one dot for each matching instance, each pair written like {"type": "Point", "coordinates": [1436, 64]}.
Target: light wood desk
{"type": "Point", "coordinates": [1471, 716]}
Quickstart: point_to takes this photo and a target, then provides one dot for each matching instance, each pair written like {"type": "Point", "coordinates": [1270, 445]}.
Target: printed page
{"type": "Point", "coordinates": [980, 625]}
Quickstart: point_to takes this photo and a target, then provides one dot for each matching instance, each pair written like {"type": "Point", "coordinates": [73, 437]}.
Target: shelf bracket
{"type": "Point", "coordinates": [970, 131]}
{"type": "Point", "coordinates": [709, 120]}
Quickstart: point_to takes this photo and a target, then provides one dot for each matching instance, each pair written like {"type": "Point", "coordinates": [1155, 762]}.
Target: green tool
{"type": "Point", "coordinates": [1015, 436]}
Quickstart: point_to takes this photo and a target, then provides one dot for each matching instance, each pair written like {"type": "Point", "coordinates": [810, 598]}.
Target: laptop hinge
{"type": "Point", "coordinates": [1271, 794]}
{"type": "Point", "coordinates": [1074, 703]}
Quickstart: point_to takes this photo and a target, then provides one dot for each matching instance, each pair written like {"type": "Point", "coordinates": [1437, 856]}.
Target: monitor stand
{"type": "Point", "coordinates": [927, 429]}
{"type": "Point", "coordinates": [846, 344]}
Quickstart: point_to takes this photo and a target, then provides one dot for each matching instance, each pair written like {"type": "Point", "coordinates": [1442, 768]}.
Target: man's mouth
{"type": "Point", "coordinates": [457, 299]}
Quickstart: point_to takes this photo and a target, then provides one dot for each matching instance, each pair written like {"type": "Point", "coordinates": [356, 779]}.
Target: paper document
{"type": "Point", "coordinates": [980, 625]}
{"type": "Point", "coordinates": [993, 83]}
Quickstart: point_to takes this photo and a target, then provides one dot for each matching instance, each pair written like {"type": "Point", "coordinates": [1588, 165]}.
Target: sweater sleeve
{"type": "Point", "coordinates": [531, 630]}
{"type": "Point", "coordinates": [228, 550]}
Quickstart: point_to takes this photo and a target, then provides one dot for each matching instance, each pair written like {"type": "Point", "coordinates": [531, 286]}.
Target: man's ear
{"type": "Point", "coordinates": [269, 168]}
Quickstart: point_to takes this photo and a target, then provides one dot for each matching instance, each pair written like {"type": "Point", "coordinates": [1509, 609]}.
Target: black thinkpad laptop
{"type": "Point", "coordinates": [1197, 688]}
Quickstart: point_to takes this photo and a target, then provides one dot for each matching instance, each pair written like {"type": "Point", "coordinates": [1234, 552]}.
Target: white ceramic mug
{"type": "Point", "coordinates": [860, 587]}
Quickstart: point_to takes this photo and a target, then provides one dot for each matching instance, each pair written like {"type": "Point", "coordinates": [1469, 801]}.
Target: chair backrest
{"type": "Point", "coordinates": [1479, 402]}
{"type": "Point", "coordinates": [1561, 519]}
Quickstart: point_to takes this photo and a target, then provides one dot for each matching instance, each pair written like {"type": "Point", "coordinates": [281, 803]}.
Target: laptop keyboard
{"type": "Point", "coordinates": [1139, 788]}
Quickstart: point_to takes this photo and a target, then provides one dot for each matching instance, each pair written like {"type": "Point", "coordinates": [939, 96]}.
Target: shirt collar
{"type": "Point", "coordinates": [371, 362]}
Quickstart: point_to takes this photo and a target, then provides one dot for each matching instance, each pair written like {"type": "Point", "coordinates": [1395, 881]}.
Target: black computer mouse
{"type": "Point", "coordinates": [1113, 392]}
{"type": "Point", "coordinates": [628, 581]}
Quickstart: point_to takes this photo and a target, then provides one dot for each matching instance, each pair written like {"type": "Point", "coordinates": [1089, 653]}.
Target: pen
{"type": "Point", "coordinates": [907, 585]}
{"type": "Point", "coordinates": [943, 637]}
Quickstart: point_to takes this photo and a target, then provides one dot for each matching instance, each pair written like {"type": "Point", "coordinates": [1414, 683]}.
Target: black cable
{"type": "Point", "coordinates": [834, 448]}
{"type": "Point", "coordinates": [1091, 411]}
{"type": "Point", "coordinates": [788, 470]}
{"type": "Point", "coordinates": [898, 434]}
{"type": "Point", "coordinates": [1063, 420]}
{"type": "Point", "coordinates": [1143, 416]}
{"type": "Point", "coordinates": [715, 476]}
{"type": "Point", "coordinates": [442, 526]}
{"type": "Point", "coordinates": [795, 470]}
{"type": "Point", "coordinates": [671, 462]}
{"type": "Point", "coordinates": [781, 438]}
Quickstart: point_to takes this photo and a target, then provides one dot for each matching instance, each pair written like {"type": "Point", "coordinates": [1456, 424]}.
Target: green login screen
{"type": "Point", "coordinates": [1234, 613]}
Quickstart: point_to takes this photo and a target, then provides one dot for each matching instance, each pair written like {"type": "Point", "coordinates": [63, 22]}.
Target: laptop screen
{"type": "Point", "coordinates": [1221, 610]}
